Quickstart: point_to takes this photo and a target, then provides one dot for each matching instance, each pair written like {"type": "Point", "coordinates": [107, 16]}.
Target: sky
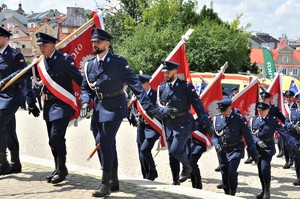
{"type": "Point", "coordinates": [275, 17]}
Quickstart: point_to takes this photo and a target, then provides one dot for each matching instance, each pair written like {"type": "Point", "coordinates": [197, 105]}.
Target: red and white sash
{"type": "Point", "coordinates": [57, 90]}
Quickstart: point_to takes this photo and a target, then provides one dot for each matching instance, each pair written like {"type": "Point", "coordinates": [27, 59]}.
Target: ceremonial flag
{"type": "Point", "coordinates": [246, 100]}
{"type": "Point", "coordinates": [80, 48]}
{"type": "Point", "coordinates": [275, 89]}
{"type": "Point", "coordinates": [269, 63]}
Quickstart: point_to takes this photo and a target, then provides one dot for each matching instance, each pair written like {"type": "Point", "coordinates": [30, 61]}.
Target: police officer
{"type": "Point", "coordinates": [234, 91]}
{"type": "Point", "coordinates": [288, 106]}
{"type": "Point", "coordinates": [263, 128]}
{"type": "Point", "coordinates": [57, 69]}
{"type": "Point", "coordinates": [105, 76]}
{"type": "Point", "coordinates": [230, 128]}
{"type": "Point", "coordinates": [292, 124]}
{"type": "Point", "coordinates": [175, 96]}
{"type": "Point", "coordinates": [11, 62]}
{"type": "Point", "coordinates": [146, 135]}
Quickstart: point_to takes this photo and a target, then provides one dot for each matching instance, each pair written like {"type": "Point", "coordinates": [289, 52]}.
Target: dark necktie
{"type": "Point", "coordinates": [100, 62]}
{"type": "Point", "coordinates": [171, 85]}
{"type": "Point", "coordinates": [48, 59]}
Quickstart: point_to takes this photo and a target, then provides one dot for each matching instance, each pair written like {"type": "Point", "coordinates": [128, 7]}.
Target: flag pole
{"type": "Point", "coordinates": [24, 70]}
{"type": "Point", "coordinates": [94, 151]}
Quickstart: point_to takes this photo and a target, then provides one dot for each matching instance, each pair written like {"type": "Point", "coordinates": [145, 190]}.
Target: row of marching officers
{"type": "Point", "coordinates": [230, 134]}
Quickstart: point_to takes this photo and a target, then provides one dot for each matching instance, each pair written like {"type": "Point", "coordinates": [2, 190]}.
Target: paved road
{"type": "Point", "coordinates": [34, 143]}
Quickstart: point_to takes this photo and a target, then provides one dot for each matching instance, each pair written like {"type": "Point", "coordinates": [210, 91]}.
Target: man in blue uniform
{"type": "Point", "coordinates": [146, 135]}
{"type": "Point", "coordinates": [57, 71]}
{"type": "Point", "coordinates": [230, 128]}
{"type": "Point", "coordinates": [11, 62]}
{"type": "Point", "coordinates": [175, 97]}
{"type": "Point", "coordinates": [289, 105]}
{"type": "Point", "coordinates": [263, 128]}
{"type": "Point", "coordinates": [292, 124]}
{"type": "Point", "coordinates": [104, 77]}
{"type": "Point", "coordinates": [234, 92]}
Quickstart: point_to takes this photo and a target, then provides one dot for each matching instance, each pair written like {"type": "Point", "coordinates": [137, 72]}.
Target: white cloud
{"type": "Point", "coordinates": [270, 16]}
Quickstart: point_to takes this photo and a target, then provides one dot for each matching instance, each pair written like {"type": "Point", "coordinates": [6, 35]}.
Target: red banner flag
{"type": "Point", "coordinates": [80, 48]}
{"type": "Point", "coordinates": [246, 100]}
{"type": "Point", "coordinates": [179, 56]}
{"type": "Point", "coordinates": [275, 89]}
{"type": "Point", "coordinates": [212, 94]}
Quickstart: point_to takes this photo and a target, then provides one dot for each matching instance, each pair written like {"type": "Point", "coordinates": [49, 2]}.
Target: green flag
{"type": "Point", "coordinates": [269, 63]}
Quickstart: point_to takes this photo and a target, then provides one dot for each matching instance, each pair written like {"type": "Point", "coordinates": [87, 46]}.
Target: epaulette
{"type": "Point", "coordinates": [116, 56]}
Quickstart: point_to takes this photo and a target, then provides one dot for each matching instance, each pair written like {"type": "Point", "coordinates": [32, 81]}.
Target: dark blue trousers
{"type": "Point", "coordinates": [229, 163]}
{"type": "Point", "coordinates": [12, 138]}
{"type": "Point", "coordinates": [6, 115]}
{"type": "Point", "coordinates": [264, 170]}
{"type": "Point", "coordinates": [145, 152]}
{"type": "Point", "coordinates": [108, 150]}
{"type": "Point", "coordinates": [56, 133]}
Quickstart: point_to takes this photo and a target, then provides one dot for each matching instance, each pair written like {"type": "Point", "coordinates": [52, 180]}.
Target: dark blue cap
{"type": "Point", "coordinates": [144, 78]}
{"type": "Point", "coordinates": [45, 38]}
{"type": "Point", "coordinates": [289, 93]}
{"type": "Point", "coordinates": [4, 32]}
{"type": "Point", "coordinates": [224, 104]}
{"type": "Point", "coordinates": [265, 94]}
{"type": "Point", "coordinates": [235, 88]}
{"type": "Point", "coordinates": [99, 34]}
{"type": "Point", "coordinates": [298, 97]}
{"type": "Point", "coordinates": [169, 65]}
{"type": "Point", "coordinates": [262, 106]}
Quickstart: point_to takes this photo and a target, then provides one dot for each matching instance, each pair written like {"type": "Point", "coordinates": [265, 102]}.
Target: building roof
{"type": "Point", "coordinates": [36, 17]}
{"type": "Point", "coordinates": [263, 38]}
{"type": "Point", "coordinates": [21, 18]}
{"type": "Point", "coordinates": [256, 56]}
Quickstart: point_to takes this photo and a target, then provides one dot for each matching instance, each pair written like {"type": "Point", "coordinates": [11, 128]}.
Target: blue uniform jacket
{"type": "Point", "coordinates": [275, 111]}
{"type": "Point", "coordinates": [264, 129]}
{"type": "Point", "coordinates": [110, 77]}
{"type": "Point", "coordinates": [11, 63]}
{"type": "Point", "coordinates": [231, 133]}
{"type": "Point", "coordinates": [290, 121]}
{"type": "Point", "coordinates": [182, 96]}
{"type": "Point", "coordinates": [62, 70]}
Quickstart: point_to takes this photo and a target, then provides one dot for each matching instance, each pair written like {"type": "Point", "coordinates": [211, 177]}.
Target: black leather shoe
{"type": "Point", "coordinates": [15, 167]}
{"type": "Point", "coordinates": [280, 154]}
{"type": "Point", "coordinates": [220, 186]}
{"type": "Point", "coordinates": [260, 196]}
{"type": "Point", "coordinates": [104, 190]}
{"type": "Point", "coordinates": [217, 169]}
{"type": "Point", "coordinates": [49, 177]}
{"type": "Point", "coordinates": [60, 176]}
{"type": "Point", "coordinates": [4, 168]}
{"type": "Point", "coordinates": [248, 161]}
{"type": "Point", "coordinates": [152, 175]}
{"type": "Point", "coordinates": [286, 166]}
{"type": "Point", "coordinates": [297, 182]}
{"type": "Point", "coordinates": [176, 183]}
{"type": "Point", "coordinates": [185, 174]}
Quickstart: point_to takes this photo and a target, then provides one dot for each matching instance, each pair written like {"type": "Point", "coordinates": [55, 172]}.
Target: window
{"type": "Point", "coordinates": [46, 30]}
{"type": "Point", "coordinates": [295, 71]}
{"type": "Point", "coordinates": [285, 59]}
{"type": "Point", "coordinates": [284, 71]}
{"type": "Point", "coordinates": [23, 46]}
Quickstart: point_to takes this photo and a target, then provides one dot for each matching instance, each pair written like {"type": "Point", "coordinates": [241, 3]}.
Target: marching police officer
{"type": "Point", "coordinates": [288, 106]}
{"type": "Point", "coordinates": [234, 92]}
{"type": "Point", "coordinates": [104, 77]}
{"type": "Point", "coordinates": [230, 127]}
{"type": "Point", "coordinates": [293, 126]}
{"type": "Point", "coordinates": [146, 135]}
{"type": "Point", "coordinates": [263, 128]}
{"type": "Point", "coordinates": [11, 62]}
{"type": "Point", "coordinates": [175, 96]}
{"type": "Point", "coordinates": [57, 70]}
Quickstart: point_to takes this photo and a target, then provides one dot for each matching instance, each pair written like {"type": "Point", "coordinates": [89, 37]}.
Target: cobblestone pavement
{"type": "Point", "coordinates": [34, 149]}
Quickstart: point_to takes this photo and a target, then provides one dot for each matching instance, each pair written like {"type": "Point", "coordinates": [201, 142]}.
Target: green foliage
{"type": "Point", "coordinates": [146, 31]}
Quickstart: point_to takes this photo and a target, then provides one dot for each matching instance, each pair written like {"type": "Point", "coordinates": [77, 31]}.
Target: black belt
{"type": "Point", "coordinates": [109, 95]}
{"type": "Point", "coordinates": [181, 114]}
{"type": "Point", "coordinates": [49, 97]}
{"type": "Point", "coordinates": [232, 144]}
